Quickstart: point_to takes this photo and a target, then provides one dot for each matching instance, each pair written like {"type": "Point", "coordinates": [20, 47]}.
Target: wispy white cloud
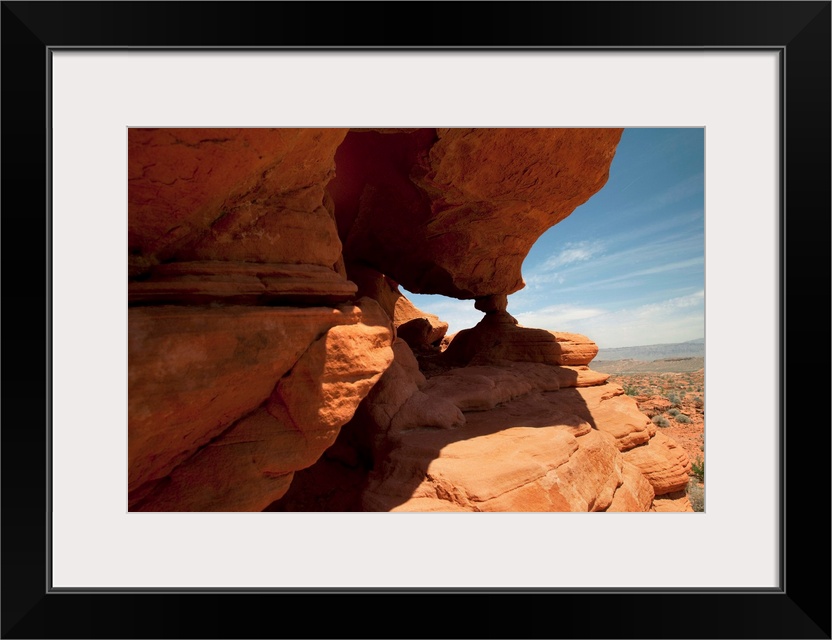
{"type": "Point", "coordinates": [647, 233]}
{"type": "Point", "coordinates": [556, 316]}
{"type": "Point", "coordinates": [674, 194]}
{"type": "Point", "coordinates": [656, 269]}
{"type": "Point", "coordinates": [622, 254]}
{"type": "Point", "coordinates": [674, 319]}
{"type": "Point", "coordinates": [624, 278]}
{"type": "Point", "coordinates": [671, 305]}
{"type": "Point", "coordinates": [573, 252]}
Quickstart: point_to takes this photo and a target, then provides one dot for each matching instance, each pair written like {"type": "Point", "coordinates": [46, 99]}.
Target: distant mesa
{"type": "Point", "coordinates": [689, 349]}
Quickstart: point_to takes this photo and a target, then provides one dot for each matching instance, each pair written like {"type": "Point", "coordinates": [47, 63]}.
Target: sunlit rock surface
{"type": "Point", "coordinates": [274, 362]}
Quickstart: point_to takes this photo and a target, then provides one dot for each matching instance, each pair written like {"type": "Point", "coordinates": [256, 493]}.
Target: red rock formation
{"type": "Point", "coordinates": [251, 354]}
{"type": "Point", "coordinates": [530, 440]}
{"type": "Point", "coordinates": [193, 371]}
{"type": "Point", "coordinates": [498, 337]}
{"type": "Point", "coordinates": [455, 211]}
{"type": "Point", "coordinates": [665, 465]}
{"type": "Point", "coordinates": [251, 464]}
{"type": "Point", "coordinates": [419, 329]}
{"type": "Point", "coordinates": [283, 379]}
{"type": "Point", "coordinates": [253, 195]}
{"type": "Point", "coordinates": [241, 283]}
{"type": "Point", "coordinates": [226, 402]}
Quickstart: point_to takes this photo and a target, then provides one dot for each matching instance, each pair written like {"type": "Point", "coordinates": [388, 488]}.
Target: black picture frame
{"type": "Point", "coordinates": [800, 608]}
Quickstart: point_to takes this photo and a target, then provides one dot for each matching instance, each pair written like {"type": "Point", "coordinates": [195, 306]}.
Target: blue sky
{"type": "Point", "coordinates": [626, 268]}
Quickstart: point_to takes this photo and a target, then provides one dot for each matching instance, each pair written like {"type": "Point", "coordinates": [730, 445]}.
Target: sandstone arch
{"type": "Point", "coordinates": [264, 272]}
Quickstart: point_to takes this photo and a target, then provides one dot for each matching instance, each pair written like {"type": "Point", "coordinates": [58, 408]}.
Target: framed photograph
{"type": "Point", "coordinates": [76, 76]}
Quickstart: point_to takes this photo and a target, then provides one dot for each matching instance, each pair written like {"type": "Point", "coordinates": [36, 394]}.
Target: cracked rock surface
{"type": "Point", "coordinates": [274, 362]}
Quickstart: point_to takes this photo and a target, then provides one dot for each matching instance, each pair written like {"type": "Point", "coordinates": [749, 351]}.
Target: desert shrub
{"type": "Point", "coordinates": [682, 418]}
{"type": "Point", "coordinates": [674, 398]}
{"type": "Point", "coordinates": [661, 421]}
{"type": "Point", "coordinates": [674, 411]}
{"type": "Point", "coordinates": [630, 390]}
{"type": "Point", "coordinates": [698, 403]}
{"type": "Point", "coordinates": [698, 468]}
{"type": "Point", "coordinates": [696, 495]}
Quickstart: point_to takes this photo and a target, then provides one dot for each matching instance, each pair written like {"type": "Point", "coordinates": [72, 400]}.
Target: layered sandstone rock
{"type": "Point", "coordinates": [508, 436]}
{"type": "Point", "coordinates": [265, 305]}
{"type": "Point", "coordinates": [455, 211]}
{"type": "Point", "coordinates": [194, 371]}
{"type": "Point", "coordinates": [240, 283]}
{"type": "Point", "coordinates": [419, 329]}
{"type": "Point", "coordinates": [675, 502]}
{"type": "Point", "coordinates": [251, 195]}
{"type": "Point", "coordinates": [665, 464]}
{"type": "Point", "coordinates": [285, 379]}
{"type": "Point", "coordinates": [498, 337]}
{"type": "Point", "coordinates": [530, 440]}
{"type": "Point", "coordinates": [238, 373]}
